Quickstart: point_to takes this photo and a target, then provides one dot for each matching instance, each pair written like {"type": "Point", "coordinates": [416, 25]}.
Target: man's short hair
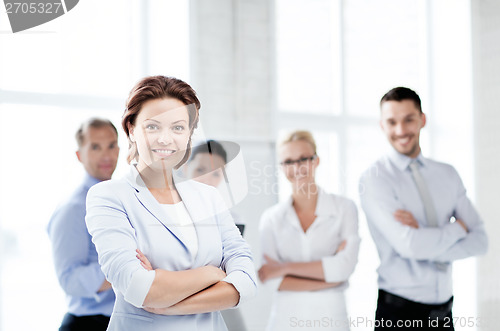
{"type": "Point", "coordinates": [95, 123]}
{"type": "Point", "coordinates": [400, 94]}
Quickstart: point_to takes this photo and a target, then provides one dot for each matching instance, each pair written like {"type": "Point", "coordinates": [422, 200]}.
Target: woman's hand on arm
{"type": "Point", "coordinates": [171, 287]}
{"type": "Point", "coordinates": [272, 269]}
{"type": "Point", "coordinates": [144, 260]}
{"type": "Point", "coordinates": [291, 283]}
{"type": "Point", "coordinates": [311, 270]}
{"type": "Point", "coordinates": [217, 297]}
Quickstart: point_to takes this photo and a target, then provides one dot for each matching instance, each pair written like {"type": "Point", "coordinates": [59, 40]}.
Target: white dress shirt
{"type": "Point", "coordinates": [407, 255]}
{"type": "Point", "coordinates": [284, 240]}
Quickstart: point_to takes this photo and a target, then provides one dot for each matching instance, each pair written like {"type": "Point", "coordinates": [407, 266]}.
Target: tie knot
{"type": "Point", "coordinates": [414, 165]}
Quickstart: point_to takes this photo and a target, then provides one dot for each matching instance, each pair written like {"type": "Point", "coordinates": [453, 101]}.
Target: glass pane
{"type": "Point", "coordinates": [364, 145]}
{"type": "Point", "coordinates": [38, 169]}
{"type": "Point", "coordinates": [31, 61]}
{"type": "Point", "coordinates": [168, 26]}
{"type": "Point", "coordinates": [98, 48]}
{"type": "Point", "coordinates": [72, 54]}
{"type": "Point", "coordinates": [306, 49]}
{"type": "Point", "coordinates": [382, 50]}
{"type": "Point", "coordinates": [451, 115]}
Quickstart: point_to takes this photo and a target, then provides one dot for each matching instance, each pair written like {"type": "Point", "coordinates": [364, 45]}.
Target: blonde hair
{"type": "Point", "coordinates": [299, 135]}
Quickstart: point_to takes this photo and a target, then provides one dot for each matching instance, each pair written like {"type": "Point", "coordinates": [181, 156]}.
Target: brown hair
{"type": "Point", "coordinates": [159, 87]}
{"type": "Point", "coordinates": [301, 135]}
{"type": "Point", "coordinates": [95, 123]}
{"type": "Point", "coordinates": [400, 94]}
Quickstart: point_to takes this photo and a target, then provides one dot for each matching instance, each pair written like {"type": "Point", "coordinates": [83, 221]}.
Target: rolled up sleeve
{"type": "Point", "coordinates": [237, 259]}
{"type": "Point", "coordinates": [139, 286]}
{"type": "Point", "coordinates": [339, 267]}
{"type": "Point", "coordinates": [243, 284]}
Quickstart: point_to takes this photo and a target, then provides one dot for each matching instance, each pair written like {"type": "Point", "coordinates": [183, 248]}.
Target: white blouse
{"type": "Point", "coordinates": [179, 214]}
{"type": "Point", "coordinates": [284, 240]}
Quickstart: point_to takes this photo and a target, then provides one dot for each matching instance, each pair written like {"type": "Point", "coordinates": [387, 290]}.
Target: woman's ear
{"type": "Point", "coordinates": [131, 132]}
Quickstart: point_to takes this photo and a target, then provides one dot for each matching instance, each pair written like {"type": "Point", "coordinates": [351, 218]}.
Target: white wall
{"type": "Point", "coordinates": [486, 73]}
{"type": "Point", "coordinates": [231, 70]}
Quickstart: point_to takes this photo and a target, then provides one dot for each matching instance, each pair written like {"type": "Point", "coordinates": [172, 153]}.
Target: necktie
{"type": "Point", "coordinates": [430, 211]}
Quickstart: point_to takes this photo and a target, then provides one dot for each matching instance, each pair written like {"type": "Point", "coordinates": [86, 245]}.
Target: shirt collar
{"type": "Point", "coordinates": [89, 181]}
{"type": "Point", "coordinates": [402, 161]}
{"type": "Point", "coordinates": [324, 207]}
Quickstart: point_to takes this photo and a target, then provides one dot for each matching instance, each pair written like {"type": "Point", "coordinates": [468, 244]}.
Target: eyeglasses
{"type": "Point", "coordinates": [302, 160]}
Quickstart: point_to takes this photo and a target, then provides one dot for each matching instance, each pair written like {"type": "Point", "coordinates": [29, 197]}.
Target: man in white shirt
{"type": "Point", "coordinates": [420, 219]}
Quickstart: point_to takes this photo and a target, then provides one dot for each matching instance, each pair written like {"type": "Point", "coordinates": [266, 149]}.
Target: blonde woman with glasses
{"type": "Point", "coordinates": [310, 245]}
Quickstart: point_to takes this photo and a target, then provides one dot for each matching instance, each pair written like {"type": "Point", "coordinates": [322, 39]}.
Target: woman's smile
{"type": "Point", "coordinates": [163, 153]}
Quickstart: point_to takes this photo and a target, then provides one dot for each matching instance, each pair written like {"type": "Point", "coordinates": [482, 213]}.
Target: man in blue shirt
{"type": "Point", "coordinates": [89, 295]}
{"type": "Point", "coordinates": [421, 220]}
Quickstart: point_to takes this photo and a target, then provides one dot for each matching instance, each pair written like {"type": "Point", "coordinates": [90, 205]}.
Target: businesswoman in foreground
{"type": "Point", "coordinates": [310, 244]}
{"type": "Point", "coordinates": [200, 262]}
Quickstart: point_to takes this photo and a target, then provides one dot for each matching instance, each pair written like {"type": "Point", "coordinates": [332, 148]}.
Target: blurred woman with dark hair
{"type": "Point", "coordinates": [206, 166]}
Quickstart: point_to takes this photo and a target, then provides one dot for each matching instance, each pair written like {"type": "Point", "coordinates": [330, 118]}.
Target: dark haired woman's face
{"type": "Point", "coordinates": [206, 168]}
{"type": "Point", "coordinates": [161, 132]}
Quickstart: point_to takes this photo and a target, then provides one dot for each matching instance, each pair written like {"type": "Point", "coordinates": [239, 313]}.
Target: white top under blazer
{"type": "Point", "coordinates": [123, 215]}
{"type": "Point", "coordinates": [178, 213]}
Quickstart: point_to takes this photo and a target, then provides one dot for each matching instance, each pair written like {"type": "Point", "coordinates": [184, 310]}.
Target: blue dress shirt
{"type": "Point", "coordinates": [407, 255]}
{"type": "Point", "coordinates": [75, 256]}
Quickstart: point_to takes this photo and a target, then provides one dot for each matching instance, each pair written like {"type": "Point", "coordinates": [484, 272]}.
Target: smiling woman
{"type": "Point", "coordinates": [309, 243]}
{"type": "Point", "coordinates": [161, 132]}
{"type": "Point", "coordinates": [169, 248]}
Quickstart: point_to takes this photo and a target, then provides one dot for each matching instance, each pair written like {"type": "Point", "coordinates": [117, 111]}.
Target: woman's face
{"type": "Point", "coordinates": [161, 132]}
{"type": "Point", "coordinates": [206, 168]}
{"type": "Point", "coordinates": [296, 163]}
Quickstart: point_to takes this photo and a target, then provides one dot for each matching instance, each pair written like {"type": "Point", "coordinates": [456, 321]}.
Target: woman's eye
{"type": "Point", "coordinates": [151, 127]}
{"type": "Point", "coordinates": [178, 128]}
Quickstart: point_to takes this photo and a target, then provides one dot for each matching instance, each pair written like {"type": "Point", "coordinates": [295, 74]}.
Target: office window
{"type": "Point", "coordinates": [371, 47]}
{"type": "Point", "coordinates": [52, 78]}
{"type": "Point", "coordinates": [306, 47]}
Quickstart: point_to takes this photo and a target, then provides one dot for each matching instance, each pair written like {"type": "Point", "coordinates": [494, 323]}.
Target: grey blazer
{"type": "Point", "coordinates": [122, 215]}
